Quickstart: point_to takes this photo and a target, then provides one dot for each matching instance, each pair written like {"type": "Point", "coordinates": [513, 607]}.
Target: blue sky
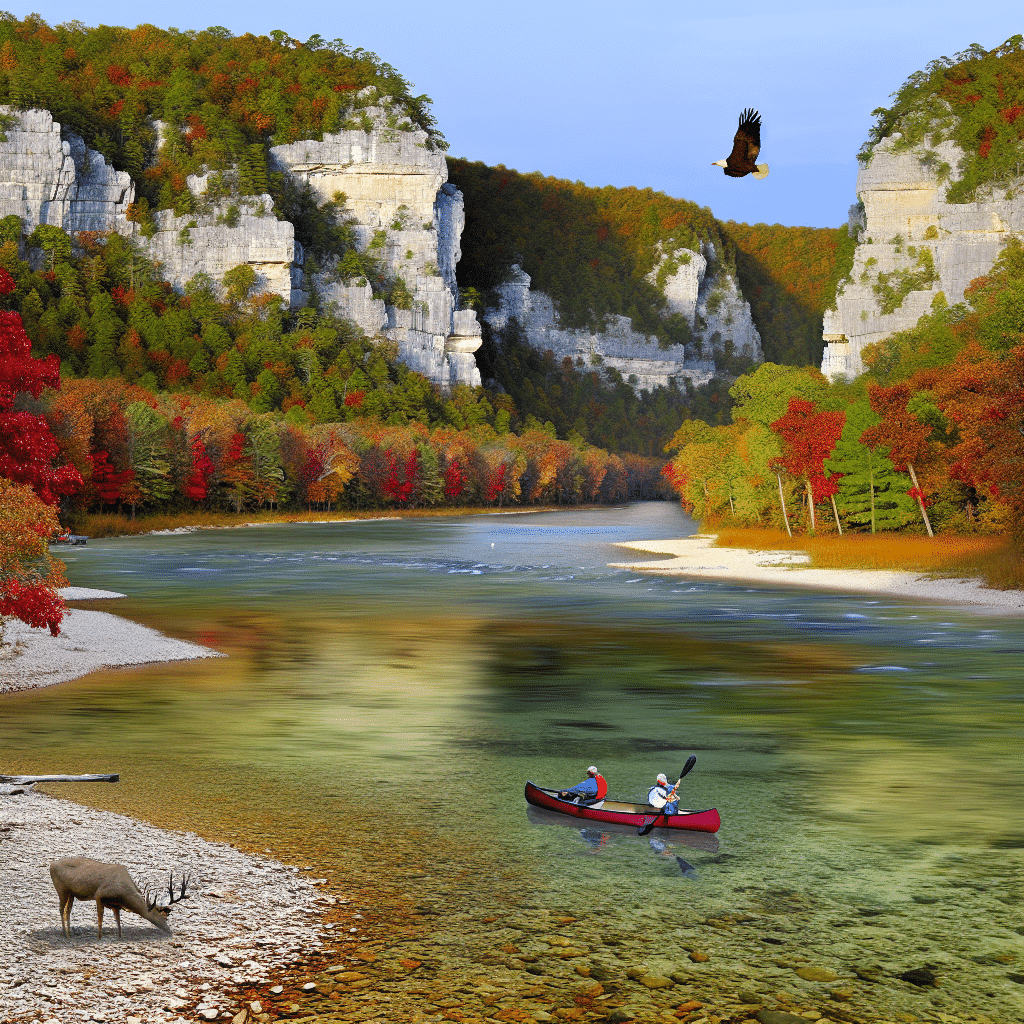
{"type": "Point", "coordinates": [643, 92]}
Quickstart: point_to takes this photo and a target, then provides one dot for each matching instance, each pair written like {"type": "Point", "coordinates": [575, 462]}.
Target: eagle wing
{"type": "Point", "coordinates": [746, 143]}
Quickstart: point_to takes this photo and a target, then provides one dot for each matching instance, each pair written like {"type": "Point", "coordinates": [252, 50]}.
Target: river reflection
{"type": "Point", "coordinates": [391, 685]}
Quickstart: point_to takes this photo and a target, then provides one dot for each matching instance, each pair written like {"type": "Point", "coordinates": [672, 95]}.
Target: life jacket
{"type": "Point", "coordinates": [602, 791]}
{"type": "Point", "coordinates": [659, 795]}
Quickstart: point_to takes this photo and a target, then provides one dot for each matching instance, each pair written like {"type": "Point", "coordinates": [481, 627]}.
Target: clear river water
{"type": "Point", "coordinates": [390, 685]}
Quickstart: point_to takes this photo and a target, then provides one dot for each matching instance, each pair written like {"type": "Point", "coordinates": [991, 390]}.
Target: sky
{"type": "Point", "coordinates": [644, 92]}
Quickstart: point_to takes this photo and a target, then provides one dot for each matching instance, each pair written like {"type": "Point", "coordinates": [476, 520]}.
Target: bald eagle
{"type": "Point", "coordinates": [746, 144]}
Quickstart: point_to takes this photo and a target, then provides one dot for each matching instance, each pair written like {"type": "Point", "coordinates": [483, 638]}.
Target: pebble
{"type": "Point", "coordinates": [816, 974]}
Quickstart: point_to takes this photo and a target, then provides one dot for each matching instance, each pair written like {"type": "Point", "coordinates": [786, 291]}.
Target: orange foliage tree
{"type": "Point", "coordinates": [904, 437]}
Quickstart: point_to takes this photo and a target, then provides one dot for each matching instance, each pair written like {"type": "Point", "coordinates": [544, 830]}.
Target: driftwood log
{"type": "Point", "coordinates": [31, 780]}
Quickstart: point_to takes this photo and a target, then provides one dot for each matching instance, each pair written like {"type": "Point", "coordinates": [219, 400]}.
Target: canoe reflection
{"type": "Point", "coordinates": [597, 838]}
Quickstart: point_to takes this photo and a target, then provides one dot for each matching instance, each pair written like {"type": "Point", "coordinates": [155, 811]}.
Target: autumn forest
{"type": "Point", "coordinates": [120, 394]}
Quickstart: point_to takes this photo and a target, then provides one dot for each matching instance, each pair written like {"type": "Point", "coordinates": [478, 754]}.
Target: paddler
{"type": "Point", "coordinates": [589, 791]}
{"type": "Point", "coordinates": [663, 796]}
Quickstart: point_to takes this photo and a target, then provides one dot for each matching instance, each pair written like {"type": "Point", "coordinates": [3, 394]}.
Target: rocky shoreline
{"type": "Point", "coordinates": [246, 919]}
{"type": "Point", "coordinates": [88, 641]}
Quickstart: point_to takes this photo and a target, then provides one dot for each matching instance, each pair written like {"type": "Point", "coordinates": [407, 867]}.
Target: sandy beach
{"type": "Point", "coordinates": [696, 556]}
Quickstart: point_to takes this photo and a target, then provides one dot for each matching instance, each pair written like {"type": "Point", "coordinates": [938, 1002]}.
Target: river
{"type": "Point", "coordinates": [390, 685]}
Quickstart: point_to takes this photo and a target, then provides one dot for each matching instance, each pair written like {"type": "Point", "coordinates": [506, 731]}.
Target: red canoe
{"type": "Point", "coordinates": [619, 813]}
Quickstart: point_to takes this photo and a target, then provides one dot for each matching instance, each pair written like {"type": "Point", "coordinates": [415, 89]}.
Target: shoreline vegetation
{"type": "Point", "coordinates": [948, 570]}
{"type": "Point", "coordinates": [102, 524]}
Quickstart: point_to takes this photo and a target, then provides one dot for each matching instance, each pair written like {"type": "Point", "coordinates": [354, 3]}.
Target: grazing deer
{"type": "Point", "coordinates": [111, 886]}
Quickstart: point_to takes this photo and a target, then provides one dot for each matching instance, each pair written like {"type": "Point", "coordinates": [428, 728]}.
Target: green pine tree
{"type": "Point", "coordinates": [871, 492]}
{"type": "Point", "coordinates": [149, 452]}
{"type": "Point", "coordinates": [105, 332]}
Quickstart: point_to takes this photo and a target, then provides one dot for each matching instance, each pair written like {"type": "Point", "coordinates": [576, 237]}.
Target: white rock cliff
{"type": "Point", "coordinates": [396, 191]}
{"type": "Point", "coordinates": [905, 214]}
{"type": "Point", "coordinates": [406, 214]}
{"type": "Point", "coordinates": [718, 316]}
{"type": "Point", "coordinates": [49, 179]}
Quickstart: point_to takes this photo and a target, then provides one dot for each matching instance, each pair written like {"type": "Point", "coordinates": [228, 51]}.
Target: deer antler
{"type": "Point", "coordinates": [181, 895]}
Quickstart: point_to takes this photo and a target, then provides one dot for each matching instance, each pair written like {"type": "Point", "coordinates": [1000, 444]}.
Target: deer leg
{"type": "Point", "coordinates": [117, 918]}
{"type": "Point", "coordinates": [66, 903]}
{"type": "Point", "coordinates": [99, 917]}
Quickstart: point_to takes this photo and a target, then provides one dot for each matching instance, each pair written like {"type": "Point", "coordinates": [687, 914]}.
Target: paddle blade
{"type": "Point", "coordinates": [690, 762]}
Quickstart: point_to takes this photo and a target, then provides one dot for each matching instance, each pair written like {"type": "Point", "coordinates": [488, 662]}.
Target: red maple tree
{"type": "Point", "coordinates": [983, 394]}
{"type": "Point", "coordinates": [27, 447]}
{"type": "Point", "coordinates": [197, 483]}
{"type": "Point", "coordinates": [399, 488]}
{"type": "Point", "coordinates": [29, 578]}
{"type": "Point", "coordinates": [107, 484]}
{"type": "Point", "coordinates": [455, 479]}
{"type": "Point", "coordinates": [808, 435]}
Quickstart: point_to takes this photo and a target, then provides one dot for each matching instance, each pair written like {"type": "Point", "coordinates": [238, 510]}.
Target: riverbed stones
{"type": "Point", "coordinates": [270, 917]}
{"type": "Point", "coordinates": [816, 974]}
{"type": "Point", "coordinates": [655, 981]}
{"type": "Point", "coordinates": [779, 1017]}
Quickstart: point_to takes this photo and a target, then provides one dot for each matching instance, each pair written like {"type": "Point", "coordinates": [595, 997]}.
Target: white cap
{"type": "Point", "coordinates": [592, 770]}
{"type": "Point", "coordinates": [663, 777]}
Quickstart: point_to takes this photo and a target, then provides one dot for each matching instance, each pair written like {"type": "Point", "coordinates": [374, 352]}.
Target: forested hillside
{"type": "Point", "coordinates": [234, 95]}
{"type": "Point", "coordinates": [99, 305]}
{"type": "Point", "coordinates": [929, 439]}
{"type": "Point", "coordinates": [975, 99]}
{"type": "Point", "coordinates": [591, 250]}
{"type": "Point", "coordinates": [789, 275]}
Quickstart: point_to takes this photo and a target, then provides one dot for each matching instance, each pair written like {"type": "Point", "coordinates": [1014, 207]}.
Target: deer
{"type": "Point", "coordinates": [111, 886]}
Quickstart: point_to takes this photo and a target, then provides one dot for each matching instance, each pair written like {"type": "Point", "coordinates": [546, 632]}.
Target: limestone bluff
{"type": "Point", "coordinates": [913, 245]}
{"type": "Point", "coordinates": [402, 206]}
{"type": "Point", "coordinates": [393, 181]}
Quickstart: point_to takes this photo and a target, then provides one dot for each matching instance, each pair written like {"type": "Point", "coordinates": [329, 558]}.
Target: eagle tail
{"type": "Point", "coordinates": [761, 172]}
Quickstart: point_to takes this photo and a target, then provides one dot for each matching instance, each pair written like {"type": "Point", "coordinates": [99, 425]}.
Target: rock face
{"type": "Point", "coordinates": [907, 229]}
{"type": "Point", "coordinates": [722, 320]}
{"type": "Point", "coordinates": [50, 177]}
{"type": "Point", "coordinates": [717, 314]}
{"type": "Point", "coordinates": [214, 242]}
{"type": "Point", "coordinates": [405, 214]}
{"type": "Point", "coordinates": [402, 210]}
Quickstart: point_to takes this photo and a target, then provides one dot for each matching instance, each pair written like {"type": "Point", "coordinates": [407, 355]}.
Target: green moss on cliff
{"type": "Point", "coordinates": [975, 99]}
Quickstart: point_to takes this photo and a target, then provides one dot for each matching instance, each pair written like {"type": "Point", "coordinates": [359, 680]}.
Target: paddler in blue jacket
{"type": "Point", "coordinates": [590, 790]}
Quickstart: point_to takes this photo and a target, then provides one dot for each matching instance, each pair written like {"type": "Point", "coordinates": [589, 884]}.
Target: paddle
{"type": "Point", "coordinates": [690, 762]}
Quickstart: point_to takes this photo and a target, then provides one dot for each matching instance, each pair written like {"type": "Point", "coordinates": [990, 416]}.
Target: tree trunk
{"type": "Point", "coordinates": [920, 501]}
{"type": "Point", "coordinates": [871, 491]}
{"type": "Point", "coordinates": [810, 506]}
{"type": "Point", "coordinates": [835, 512]}
{"type": "Point", "coordinates": [782, 502]}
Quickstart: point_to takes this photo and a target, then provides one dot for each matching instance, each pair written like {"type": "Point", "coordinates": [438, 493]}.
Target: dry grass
{"type": "Point", "coordinates": [995, 560]}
